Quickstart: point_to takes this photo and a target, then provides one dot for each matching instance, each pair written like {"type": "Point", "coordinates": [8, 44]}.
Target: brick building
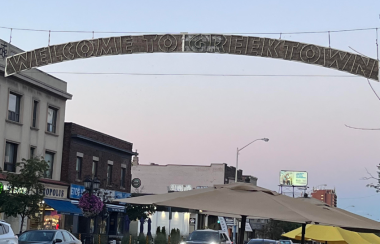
{"type": "Point", "coordinates": [89, 153]}
{"type": "Point", "coordinates": [325, 195]}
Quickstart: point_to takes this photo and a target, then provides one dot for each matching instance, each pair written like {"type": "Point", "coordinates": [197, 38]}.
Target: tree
{"type": "Point", "coordinates": [136, 212]}
{"type": "Point", "coordinates": [24, 192]}
{"type": "Point", "coordinates": [274, 229]}
{"type": "Point", "coordinates": [374, 185]}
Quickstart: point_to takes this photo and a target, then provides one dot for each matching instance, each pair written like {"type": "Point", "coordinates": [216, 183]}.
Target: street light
{"type": "Point", "coordinates": [91, 185]}
{"type": "Point", "coordinates": [236, 175]}
{"type": "Point", "coordinates": [238, 150]}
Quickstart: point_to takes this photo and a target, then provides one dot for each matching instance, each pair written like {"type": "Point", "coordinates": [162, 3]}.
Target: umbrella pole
{"type": "Point", "coordinates": [242, 229]}
{"type": "Point", "coordinates": [303, 233]}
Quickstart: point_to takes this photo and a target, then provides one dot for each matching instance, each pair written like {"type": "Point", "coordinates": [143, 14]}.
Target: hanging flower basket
{"type": "Point", "coordinates": [90, 205]}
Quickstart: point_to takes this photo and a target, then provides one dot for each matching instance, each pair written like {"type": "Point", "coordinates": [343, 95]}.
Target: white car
{"type": "Point", "coordinates": [7, 236]}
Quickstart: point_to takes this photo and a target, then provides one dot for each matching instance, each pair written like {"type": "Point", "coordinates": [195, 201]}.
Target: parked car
{"type": "Point", "coordinates": [208, 236]}
{"type": "Point", "coordinates": [6, 234]}
{"type": "Point", "coordinates": [48, 236]}
{"type": "Point", "coordinates": [263, 241]}
{"type": "Point", "coordinates": [286, 242]}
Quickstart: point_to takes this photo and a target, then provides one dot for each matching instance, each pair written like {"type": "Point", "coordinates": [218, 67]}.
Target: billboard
{"type": "Point", "coordinates": [293, 178]}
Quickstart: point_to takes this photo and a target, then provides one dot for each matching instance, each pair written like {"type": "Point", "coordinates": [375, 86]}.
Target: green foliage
{"type": "Point", "coordinates": [175, 236]}
{"type": "Point", "coordinates": [274, 229]}
{"type": "Point", "coordinates": [24, 192]}
{"type": "Point", "coordinates": [136, 212]}
{"type": "Point", "coordinates": [128, 237]}
{"type": "Point", "coordinates": [160, 236]}
{"type": "Point", "coordinates": [142, 238]}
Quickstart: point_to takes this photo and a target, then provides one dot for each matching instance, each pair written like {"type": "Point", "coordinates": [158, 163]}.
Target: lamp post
{"type": "Point", "coordinates": [236, 176]}
{"type": "Point", "coordinates": [91, 185]}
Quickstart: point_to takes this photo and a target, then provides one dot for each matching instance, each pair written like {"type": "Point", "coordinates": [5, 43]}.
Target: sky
{"type": "Point", "coordinates": [201, 120]}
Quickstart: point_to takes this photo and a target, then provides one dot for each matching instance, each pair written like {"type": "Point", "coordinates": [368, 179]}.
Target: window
{"type": "Point", "coordinates": [59, 236]}
{"type": "Point", "coordinates": [122, 178]}
{"type": "Point", "coordinates": [32, 150]}
{"type": "Point", "coordinates": [120, 223]}
{"type": "Point", "coordinates": [109, 174]}
{"type": "Point", "coordinates": [10, 157]}
{"type": "Point", "coordinates": [1, 230]}
{"type": "Point", "coordinates": [52, 119]}
{"type": "Point", "coordinates": [49, 158]}
{"type": "Point", "coordinates": [67, 236]}
{"type": "Point", "coordinates": [94, 168]}
{"type": "Point", "coordinates": [78, 168]}
{"type": "Point", "coordinates": [35, 109]}
{"type": "Point", "coordinates": [14, 107]}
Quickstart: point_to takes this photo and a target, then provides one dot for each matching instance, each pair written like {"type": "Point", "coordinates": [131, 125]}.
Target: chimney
{"type": "Point", "coordinates": [135, 160]}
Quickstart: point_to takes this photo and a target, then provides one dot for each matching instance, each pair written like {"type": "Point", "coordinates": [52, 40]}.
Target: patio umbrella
{"type": "Point", "coordinates": [142, 225]}
{"type": "Point", "coordinates": [126, 223]}
{"type": "Point", "coordinates": [327, 234]}
{"type": "Point", "coordinates": [149, 227]}
{"type": "Point", "coordinates": [246, 200]}
{"type": "Point", "coordinates": [370, 237]}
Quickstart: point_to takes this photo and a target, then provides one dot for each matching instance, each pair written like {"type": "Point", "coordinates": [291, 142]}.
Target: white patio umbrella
{"type": "Point", "coordinates": [246, 200]}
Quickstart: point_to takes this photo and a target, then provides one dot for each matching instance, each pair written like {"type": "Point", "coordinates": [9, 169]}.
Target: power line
{"type": "Point", "coordinates": [184, 74]}
{"type": "Point", "coordinates": [149, 32]}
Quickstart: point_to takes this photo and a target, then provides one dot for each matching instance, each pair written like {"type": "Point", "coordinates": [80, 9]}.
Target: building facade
{"type": "Point", "coordinates": [159, 179]}
{"type": "Point", "coordinates": [327, 196]}
{"type": "Point", "coordinates": [182, 177]}
{"type": "Point", "coordinates": [88, 154]}
{"type": "Point", "coordinates": [32, 112]}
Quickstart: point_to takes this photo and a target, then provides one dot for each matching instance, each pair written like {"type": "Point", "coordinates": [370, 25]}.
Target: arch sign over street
{"type": "Point", "coordinates": [196, 43]}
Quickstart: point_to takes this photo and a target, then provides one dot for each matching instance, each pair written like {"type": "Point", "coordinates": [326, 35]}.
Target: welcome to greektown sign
{"type": "Point", "coordinates": [196, 43]}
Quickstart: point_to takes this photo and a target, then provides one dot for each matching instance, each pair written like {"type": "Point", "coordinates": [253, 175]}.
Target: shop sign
{"type": "Point", "coordinates": [136, 182]}
{"type": "Point", "coordinates": [5, 187]}
{"type": "Point", "coordinates": [76, 192]}
{"type": "Point", "coordinates": [223, 224]}
{"type": "Point", "coordinates": [53, 191]}
{"type": "Point", "coordinates": [120, 210]}
{"type": "Point", "coordinates": [177, 187]}
{"type": "Point", "coordinates": [327, 57]}
{"type": "Point", "coordinates": [201, 187]}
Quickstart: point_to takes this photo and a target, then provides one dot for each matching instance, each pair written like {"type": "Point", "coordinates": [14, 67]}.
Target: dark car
{"type": "Point", "coordinates": [207, 237]}
{"type": "Point", "coordinates": [263, 241]}
{"type": "Point", "coordinates": [48, 236]}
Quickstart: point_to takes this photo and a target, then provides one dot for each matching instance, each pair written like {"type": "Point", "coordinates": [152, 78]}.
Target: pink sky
{"type": "Point", "coordinates": [201, 120]}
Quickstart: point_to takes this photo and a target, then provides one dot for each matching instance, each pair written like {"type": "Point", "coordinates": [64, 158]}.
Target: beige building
{"type": "Point", "coordinates": [32, 113]}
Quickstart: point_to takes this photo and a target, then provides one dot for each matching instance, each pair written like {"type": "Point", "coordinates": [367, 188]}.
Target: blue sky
{"type": "Point", "coordinates": [201, 120]}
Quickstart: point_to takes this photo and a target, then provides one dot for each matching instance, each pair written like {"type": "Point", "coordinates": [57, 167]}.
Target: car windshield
{"type": "Point", "coordinates": [285, 242]}
{"type": "Point", "coordinates": [204, 236]}
{"type": "Point", "coordinates": [37, 236]}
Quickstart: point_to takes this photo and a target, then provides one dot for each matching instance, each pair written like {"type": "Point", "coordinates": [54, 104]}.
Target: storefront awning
{"type": "Point", "coordinates": [63, 207]}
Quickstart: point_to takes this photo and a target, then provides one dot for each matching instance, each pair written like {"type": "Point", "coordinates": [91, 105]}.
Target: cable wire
{"type": "Point", "coordinates": [184, 74]}
{"type": "Point", "coordinates": [148, 32]}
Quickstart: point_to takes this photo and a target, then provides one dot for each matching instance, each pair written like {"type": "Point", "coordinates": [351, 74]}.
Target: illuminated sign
{"type": "Point", "coordinates": [178, 187]}
{"type": "Point", "coordinates": [195, 43]}
{"type": "Point", "coordinates": [293, 178]}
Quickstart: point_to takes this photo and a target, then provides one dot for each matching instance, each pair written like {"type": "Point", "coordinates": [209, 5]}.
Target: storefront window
{"type": "Point", "coordinates": [92, 225]}
{"type": "Point", "coordinates": [103, 226]}
{"type": "Point", "coordinates": [120, 223]}
{"type": "Point", "coordinates": [51, 220]}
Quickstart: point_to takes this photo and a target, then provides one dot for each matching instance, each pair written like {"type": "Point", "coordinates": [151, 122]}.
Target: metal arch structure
{"type": "Point", "coordinates": [196, 43]}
